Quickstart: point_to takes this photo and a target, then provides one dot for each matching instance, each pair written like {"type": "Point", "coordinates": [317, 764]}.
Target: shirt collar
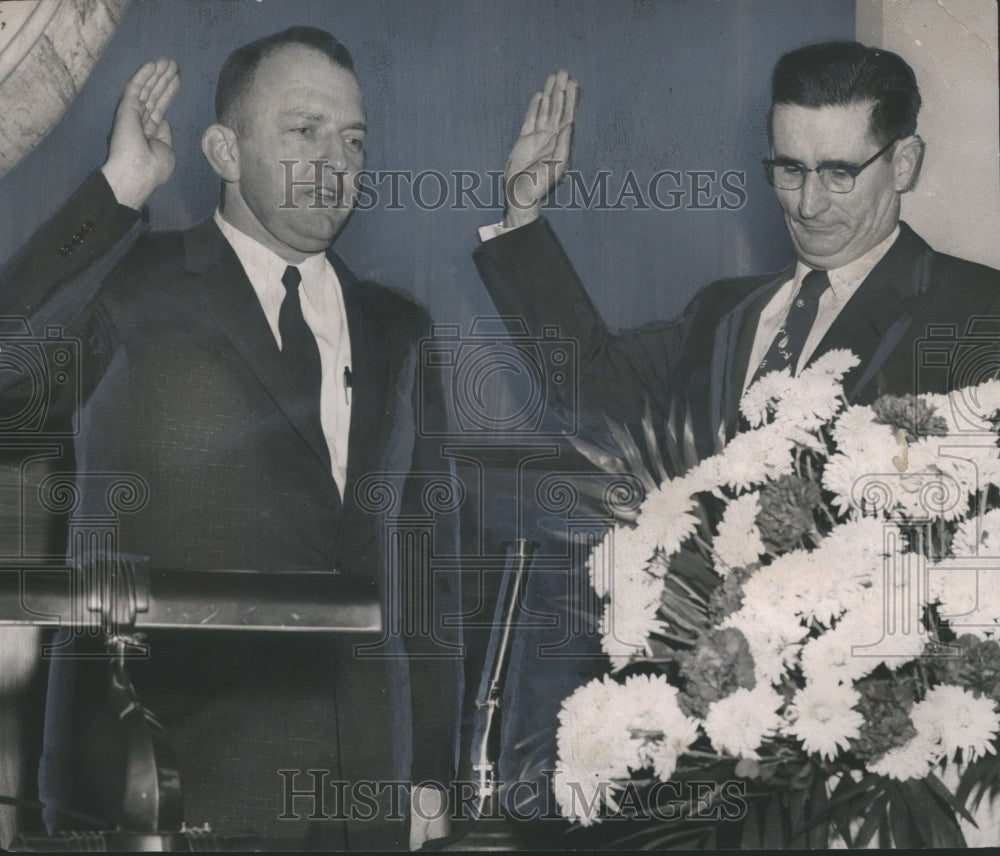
{"type": "Point", "coordinates": [258, 259]}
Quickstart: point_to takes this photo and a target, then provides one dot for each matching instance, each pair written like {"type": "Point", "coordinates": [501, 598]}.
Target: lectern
{"type": "Point", "coordinates": [120, 600]}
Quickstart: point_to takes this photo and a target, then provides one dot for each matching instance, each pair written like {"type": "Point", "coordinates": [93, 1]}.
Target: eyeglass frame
{"type": "Point", "coordinates": [853, 170]}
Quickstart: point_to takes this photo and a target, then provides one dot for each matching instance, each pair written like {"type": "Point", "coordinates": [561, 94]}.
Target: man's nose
{"type": "Point", "coordinates": [814, 198]}
{"type": "Point", "coordinates": [336, 154]}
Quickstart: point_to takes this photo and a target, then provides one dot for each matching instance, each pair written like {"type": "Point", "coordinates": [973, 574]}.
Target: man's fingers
{"type": "Point", "coordinates": [545, 105]}
{"type": "Point", "coordinates": [161, 102]}
{"type": "Point", "coordinates": [561, 150]}
{"type": "Point", "coordinates": [569, 105]}
{"type": "Point", "coordinates": [164, 134]}
{"type": "Point", "coordinates": [530, 117]}
{"type": "Point", "coordinates": [163, 82]}
{"type": "Point", "coordinates": [159, 66]}
{"type": "Point", "coordinates": [138, 81]}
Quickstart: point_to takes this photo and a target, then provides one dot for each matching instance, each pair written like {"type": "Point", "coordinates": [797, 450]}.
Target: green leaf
{"type": "Point", "coordinates": [953, 800]}
{"type": "Point", "coordinates": [604, 461]}
{"type": "Point", "coordinates": [773, 837]}
{"type": "Point", "coordinates": [652, 447]}
{"type": "Point", "coordinates": [904, 831]}
{"type": "Point", "coordinates": [980, 778]}
{"type": "Point", "coordinates": [873, 820]}
{"type": "Point", "coordinates": [932, 815]}
{"type": "Point", "coordinates": [818, 829]}
{"type": "Point", "coordinates": [633, 457]}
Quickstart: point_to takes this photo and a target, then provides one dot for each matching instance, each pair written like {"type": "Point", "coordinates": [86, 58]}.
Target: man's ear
{"type": "Point", "coordinates": [222, 151]}
{"type": "Point", "coordinates": [906, 161]}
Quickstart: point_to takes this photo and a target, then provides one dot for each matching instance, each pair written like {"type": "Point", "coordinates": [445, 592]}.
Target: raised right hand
{"type": "Point", "coordinates": [539, 159]}
{"type": "Point", "coordinates": [140, 151]}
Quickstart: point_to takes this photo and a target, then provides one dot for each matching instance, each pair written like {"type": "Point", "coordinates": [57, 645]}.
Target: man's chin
{"type": "Point", "coordinates": [818, 250]}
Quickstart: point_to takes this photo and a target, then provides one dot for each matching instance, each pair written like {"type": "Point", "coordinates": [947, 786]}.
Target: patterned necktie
{"type": "Point", "coordinates": [787, 346]}
{"type": "Point", "coordinates": [300, 353]}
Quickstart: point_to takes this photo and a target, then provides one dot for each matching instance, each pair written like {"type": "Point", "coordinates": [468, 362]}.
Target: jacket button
{"type": "Point", "coordinates": [77, 238]}
{"type": "Point", "coordinates": [87, 228]}
{"type": "Point", "coordinates": [65, 250]}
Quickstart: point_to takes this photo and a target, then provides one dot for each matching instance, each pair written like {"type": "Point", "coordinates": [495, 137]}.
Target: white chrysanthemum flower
{"type": "Point", "coordinates": [591, 735]}
{"type": "Point", "coordinates": [737, 542]}
{"type": "Point", "coordinates": [912, 760]}
{"type": "Point", "coordinates": [834, 364]}
{"type": "Point", "coordinates": [969, 597]}
{"type": "Point", "coordinates": [630, 614]}
{"type": "Point", "coordinates": [850, 431]}
{"type": "Point", "coordinates": [822, 716]}
{"type": "Point", "coordinates": [740, 722]}
{"type": "Point", "coordinates": [955, 718]}
{"type": "Point", "coordinates": [969, 409]}
{"type": "Point", "coordinates": [600, 565]}
{"type": "Point", "coordinates": [852, 475]}
{"type": "Point", "coordinates": [666, 517]}
{"type": "Point", "coordinates": [755, 457]}
{"type": "Point", "coordinates": [933, 484]}
{"type": "Point", "coordinates": [761, 397]}
{"type": "Point", "coordinates": [978, 536]}
{"type": "Point", "coordinates": [658, 729]}
{"type": "Point", "coordinates": [580, 793]}
{"type": "Point", "coordinates": [881, 632]}
{"type": "Point", "coordinates": [829, 658]}
{"type": "Point", "coordinates": [985, 459]}
{"type": "Point", "coordinates": [773, 636]}
{"type": "Point", "coordinates": [817, 399]}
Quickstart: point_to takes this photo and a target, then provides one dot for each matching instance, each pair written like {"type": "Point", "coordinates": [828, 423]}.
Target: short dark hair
{"type": "Point", "coordinates": [236, 74]}
{"type": "Point", "coordinates": [844, 73]}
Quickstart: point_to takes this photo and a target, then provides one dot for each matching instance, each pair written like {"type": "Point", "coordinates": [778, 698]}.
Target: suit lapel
{"type": "Point", "coordinates": [732, 349]}
{"type": "Point", "coordinates": [228, 295]}
{"type": "Point", "coordinates": [877, 316]}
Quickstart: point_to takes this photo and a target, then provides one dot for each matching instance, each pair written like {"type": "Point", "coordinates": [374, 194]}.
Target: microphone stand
{"type": "Point", "coordinates": [477, 833]}
{"type": "Point", "coordinates": [124, 596]}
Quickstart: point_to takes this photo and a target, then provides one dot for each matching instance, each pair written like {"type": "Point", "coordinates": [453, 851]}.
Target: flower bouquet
{"type": "Point", "coordinates": [802, 629]}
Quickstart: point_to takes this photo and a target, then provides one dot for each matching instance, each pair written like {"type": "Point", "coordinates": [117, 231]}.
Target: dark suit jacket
{"type": "Point", "coordinates": [183, 393]}
{"type": "Point", "coordinates": [692, 369]}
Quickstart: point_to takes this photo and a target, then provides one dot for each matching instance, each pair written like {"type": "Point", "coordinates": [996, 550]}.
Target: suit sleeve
{"type": "Point", "coordinates": [90, 228]}
{"type": "Point", "coordinates": [532, 282]}
{"type": "Point", "coordinates": [52, 281]}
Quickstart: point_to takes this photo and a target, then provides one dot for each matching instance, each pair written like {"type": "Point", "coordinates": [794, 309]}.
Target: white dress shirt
{"type": "Point", "coordinates": [844, 281]}
{"type": "Point", "coordinates": [323, 309]}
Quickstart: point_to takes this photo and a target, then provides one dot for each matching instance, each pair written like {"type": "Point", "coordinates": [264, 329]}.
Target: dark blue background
{"type": "Point", "coordinates": [674, 84]}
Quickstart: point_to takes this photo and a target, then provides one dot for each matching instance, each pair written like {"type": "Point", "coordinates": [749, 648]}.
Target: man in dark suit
{"type": "Point", "coordinates": [842, 129]}
{"type": "Point", "coordinates": [247, 383]}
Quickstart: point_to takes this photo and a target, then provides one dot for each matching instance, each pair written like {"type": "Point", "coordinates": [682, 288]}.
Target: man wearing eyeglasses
{"type": "Point", "coordinates": [842, 130]}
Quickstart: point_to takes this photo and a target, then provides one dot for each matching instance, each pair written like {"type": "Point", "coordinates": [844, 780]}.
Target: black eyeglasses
{"type": "Point", "coordinates": [837, 176]}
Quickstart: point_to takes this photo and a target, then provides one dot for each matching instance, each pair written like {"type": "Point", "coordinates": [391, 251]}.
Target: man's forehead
{"type": "Point", "coordinates": [295, 68]}
{"type": "Point", "coordinates": [825, 131]}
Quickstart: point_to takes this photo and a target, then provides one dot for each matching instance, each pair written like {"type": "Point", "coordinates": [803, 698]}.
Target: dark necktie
{"type": "Point", "coordinates": [300, 353]}
{"type": "Point", "coordinates": [787, 346]}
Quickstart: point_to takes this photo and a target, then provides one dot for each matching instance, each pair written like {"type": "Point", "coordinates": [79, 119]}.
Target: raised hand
{"type": "Point", "coordinates": [539, 159]}
{"type": "Point", "coordinates": [140, 150]}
